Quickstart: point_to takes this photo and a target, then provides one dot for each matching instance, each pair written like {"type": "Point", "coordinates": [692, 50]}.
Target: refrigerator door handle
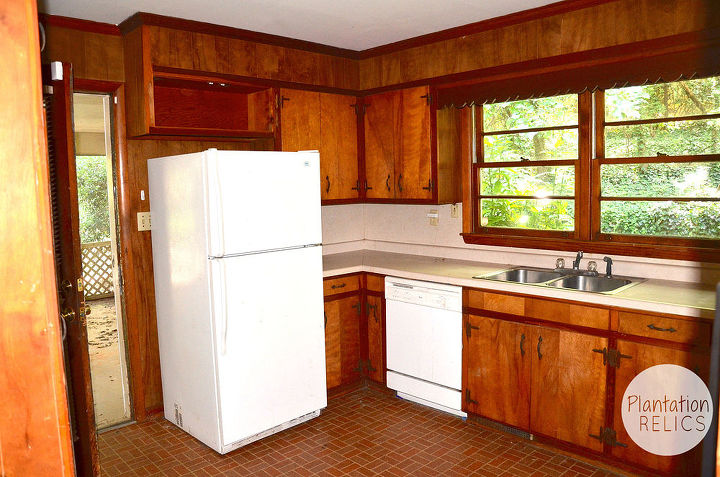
{"type": "Point", "coordinates": [224, 306]}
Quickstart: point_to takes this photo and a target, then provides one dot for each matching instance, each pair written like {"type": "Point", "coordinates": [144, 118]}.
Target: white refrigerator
{"type": "Point", "coordinates": [237, 258]}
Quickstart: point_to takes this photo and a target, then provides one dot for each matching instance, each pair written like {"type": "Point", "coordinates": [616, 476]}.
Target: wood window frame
{"type": "Point", "coordinates": [600, 160]}
{"type": "Point", "coordinates": [587, 235]}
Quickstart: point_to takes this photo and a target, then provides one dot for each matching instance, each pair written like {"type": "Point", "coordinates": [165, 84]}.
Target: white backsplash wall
{"type": "Point", "coordinates": [407, 229]}
{"type": "Point", "coordinates": [343, 228]}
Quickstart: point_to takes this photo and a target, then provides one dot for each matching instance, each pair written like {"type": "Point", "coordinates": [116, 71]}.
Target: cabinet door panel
{"type": "Point", "coordinates": [568, 386]}
{"type": "Point", "coordinates": [381, 132]}
{"type": "Point", "coordinates": [376, 337]}
{"type": "Point", "coordinates": [643, 356]}
{"type": "Point", "coordinates": [300, 121]}
{"type": "Point", "coordinates": [350, 338]}
{"type": "Point", "coordinates": [338, 147]}
{"type": "Point", "coordinates": [332, 344]}
{"type": "Point", "coordinates": [498, 370]}
{"type": "Point", "coordinates": [413, 165]}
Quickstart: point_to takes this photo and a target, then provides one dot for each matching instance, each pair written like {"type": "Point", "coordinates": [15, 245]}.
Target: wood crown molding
{"type": "Point", "coordinates": [78, 24]}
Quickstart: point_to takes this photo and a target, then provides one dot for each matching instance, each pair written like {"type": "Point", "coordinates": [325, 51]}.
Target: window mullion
{"type": "Point", "coordinates": [582, 170]}
{"type": "Point", "coordinates": [599, 140]}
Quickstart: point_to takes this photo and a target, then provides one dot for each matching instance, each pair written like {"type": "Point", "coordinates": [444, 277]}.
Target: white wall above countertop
{"type": "Point", "coordinates": [406, 229]}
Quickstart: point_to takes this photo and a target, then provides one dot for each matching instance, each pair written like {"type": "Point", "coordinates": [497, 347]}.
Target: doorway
{"type": "Point", "coordinates": [100, 260]}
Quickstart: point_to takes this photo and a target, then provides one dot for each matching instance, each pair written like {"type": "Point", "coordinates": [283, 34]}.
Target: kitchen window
{"type": "Point", "coordinates": [528, 155]}
{"type": "Point", "coordinates": [628, 170]}
{"type": "Point", "coordinates": [658, 155]}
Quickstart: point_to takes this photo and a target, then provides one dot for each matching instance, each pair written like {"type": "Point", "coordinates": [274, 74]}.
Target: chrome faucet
{"type": "Point", "coordinates": [608, 269]}
{"type": "Point", "coordinates": [576, 262]}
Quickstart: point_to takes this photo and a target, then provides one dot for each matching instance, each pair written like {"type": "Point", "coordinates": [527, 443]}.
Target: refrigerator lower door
{"type": "Point", "coordinates": [259, 200]}
{"type": "Point", "coordinates": [270, 340]}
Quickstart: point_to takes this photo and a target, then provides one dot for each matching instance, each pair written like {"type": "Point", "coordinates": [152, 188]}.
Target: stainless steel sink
{"type": "Point", "coordinates": [597, 284]}
{"type": "Point", "coordinates": [567, 279]}
{"type": "Point", "coordinates": [524, 275]}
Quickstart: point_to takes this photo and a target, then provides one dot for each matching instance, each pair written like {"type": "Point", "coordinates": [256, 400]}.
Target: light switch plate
{"type": "Point", "coordinates": [144, 222]}
{"type": "Point", "coordinates": [454, 211]}
{"type": "Point", "coordinates": [433, 216]}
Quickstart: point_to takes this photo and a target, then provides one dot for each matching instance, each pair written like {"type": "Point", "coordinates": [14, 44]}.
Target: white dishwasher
{"type": "Point", "coordinates": [424, 342]}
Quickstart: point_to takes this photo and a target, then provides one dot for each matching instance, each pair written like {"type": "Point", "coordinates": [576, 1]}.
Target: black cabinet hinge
{"type": "Point", "coordinates": [357, 308]}
{"type": "Point", "coordinates": [428, 97]}
{"type": "Point", "coordinates": [468, 399]}
{"type": "Point", "coordinates": [469, 328]}
{"type": "Point", "coordinates": [608, 436]}
{"type": "Point", "coordinates": [611, 357]}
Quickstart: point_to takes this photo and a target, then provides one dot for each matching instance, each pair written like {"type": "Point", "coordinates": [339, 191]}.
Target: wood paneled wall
{"type": "Point", "coordinates": [218, 54]}
{"type": "Point", "coordinates": [93, 55]}
{"type": "Point", "coordinates": [34, 422]}
{"type": "Point", "coordinates": [607, 24]}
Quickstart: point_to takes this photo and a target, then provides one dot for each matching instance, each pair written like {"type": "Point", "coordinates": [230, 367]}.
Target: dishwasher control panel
{"type": "Point", "coordinates": [434, 295]}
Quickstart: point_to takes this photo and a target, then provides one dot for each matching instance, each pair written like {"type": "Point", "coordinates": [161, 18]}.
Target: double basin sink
{"type": "Point", "coordinates": [564, 279]}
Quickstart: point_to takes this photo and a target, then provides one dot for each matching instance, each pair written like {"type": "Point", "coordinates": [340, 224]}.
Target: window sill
{"type": "Point", "coordinates": [709, 253]}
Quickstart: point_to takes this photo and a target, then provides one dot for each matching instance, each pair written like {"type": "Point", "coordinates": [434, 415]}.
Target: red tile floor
{"type": "Point", "coordinates": [366, 432]}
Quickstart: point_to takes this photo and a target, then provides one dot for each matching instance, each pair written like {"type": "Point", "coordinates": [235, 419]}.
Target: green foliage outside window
{"type": "Point", "coordinates": [93, 198]}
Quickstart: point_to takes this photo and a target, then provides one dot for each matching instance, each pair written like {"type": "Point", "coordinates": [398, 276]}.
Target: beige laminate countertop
{"type": "Point", "coordinates": [663, 296]}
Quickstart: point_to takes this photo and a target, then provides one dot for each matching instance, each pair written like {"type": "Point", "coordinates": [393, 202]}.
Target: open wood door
{"type": "Point", "coordinates": [57, 100]}
{"type": "Point", "coordinates": [33, 415]}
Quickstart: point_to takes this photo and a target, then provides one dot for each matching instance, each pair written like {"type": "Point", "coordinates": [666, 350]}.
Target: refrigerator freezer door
{"type": "Point", "coordinates": [270, 340]}
{"type": "Point", "coordinates": [262, 200]}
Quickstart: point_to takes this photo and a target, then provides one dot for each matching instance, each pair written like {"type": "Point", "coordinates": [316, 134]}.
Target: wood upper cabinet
{"type": "Point", "coordinates": [411, 150]}
{"type": "Point", "coordinates": [413, 164]}
{"type": "Point", "coordinates": [328, 123]}
{"type": "Point", "coordinates": [641, 356]}
{"type": "Point", "coordinates": [375, 315]}
{"type": "Point", "coordinates": [382, 128]}
{"type": "Point", "coordinates": [498, 363]}
{"type": "Point", "coordinates": [568, 386]}
{"type": "Point", "coordinates": [163, 101]}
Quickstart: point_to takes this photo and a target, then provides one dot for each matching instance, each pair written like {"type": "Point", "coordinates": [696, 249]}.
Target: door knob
{"type": "Point", "coordinates": [87, 310]}
{"type": "Point", "coordinates": [67, 314]}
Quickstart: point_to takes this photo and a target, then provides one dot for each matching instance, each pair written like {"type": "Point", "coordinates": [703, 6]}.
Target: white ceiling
{"type": "Point", "coordinates": [352, 24]}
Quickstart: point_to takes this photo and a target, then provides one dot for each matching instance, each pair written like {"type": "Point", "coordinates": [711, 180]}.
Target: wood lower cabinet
{"type": "Point", "coordinates": [568, 386]}
{"type": "Point", "coordinates": [640, 357]}
{"type": "Point", "coordinates": [342, 340]}
{"type": "Point", "coordinates": [328, 123]}
{"type": "Point", "coordinates": [539, 379]}
{"type": "Point", "coordinates": [498, 357]}
{"type": "Point", "coordinates": [559, 369]}
{"type": "Point", "coordinates": [375, 315]}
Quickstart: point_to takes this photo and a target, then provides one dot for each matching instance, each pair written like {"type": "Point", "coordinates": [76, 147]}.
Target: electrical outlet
{"type": "Point", "coordinates": [434, 216]}
{"type": "Point", "coordinates": [144, 222]}
{"type": "Point", "coordinates": [454, 212]}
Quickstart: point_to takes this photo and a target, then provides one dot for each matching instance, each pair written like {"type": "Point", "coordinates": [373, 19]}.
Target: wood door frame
{"type": "Point", "coordinates": [126, 223]}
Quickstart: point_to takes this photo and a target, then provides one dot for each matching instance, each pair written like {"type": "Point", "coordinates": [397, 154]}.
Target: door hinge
{"type": "Point", "coordinates": [80, 286]}
{"type": "Point", "coordinates": [611, 357]}
{"type": "Point", "coordinates": [608, 436]}
{"type": "Point", "coordinates": [364, 367]}
{"type": "Point", "coordinates": [469, 328]}
{"type": "Point", "coordinates": [468, 399]}
{"type": "Point", "coordinates": [359, 109]}
{"type": "Point", "coordinates": [369, 307]}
